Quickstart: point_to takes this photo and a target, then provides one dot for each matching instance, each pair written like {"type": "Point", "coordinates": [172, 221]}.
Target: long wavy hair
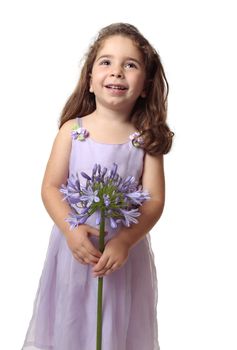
{"type": "Point", "coordinates": [149, 114]}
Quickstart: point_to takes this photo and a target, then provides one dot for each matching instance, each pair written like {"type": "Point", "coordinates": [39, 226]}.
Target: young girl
{"type": "Point", "coordinates": [119, 110]}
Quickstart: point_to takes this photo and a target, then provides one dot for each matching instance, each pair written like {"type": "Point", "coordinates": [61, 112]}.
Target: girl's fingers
{"type": "Point", "coordinates": [78, 258]}
{"type": "Point", "coordinates": [112, 269]}
{"type": "Point", "coordinates": [109, 268]}
{"type": "Point", "coordinates": [102, 266]}
{"type": "Point", "coordinates": [104, 272]}
{"type": "Point", "coordinates": [86, 256]}
{"type": "Point", "coordinates": [93, 260]}
{"type": "Point", "coordinates": [85, 261]}
{"type": "Point", "coordinates": [91, 249]}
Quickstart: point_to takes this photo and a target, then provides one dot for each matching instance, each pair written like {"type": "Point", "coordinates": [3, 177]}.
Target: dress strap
{"type": "Point", "coordinates": [78, 132]}
{"type": "Point", "coordinates": [79, 122]}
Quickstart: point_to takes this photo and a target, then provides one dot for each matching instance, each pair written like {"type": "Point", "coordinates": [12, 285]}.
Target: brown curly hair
{"type": "Point", "coordinates": [149, 114]}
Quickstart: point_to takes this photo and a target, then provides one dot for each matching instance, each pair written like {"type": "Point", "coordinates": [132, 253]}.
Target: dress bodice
{"type": "Point", "coordinates": [86, 152]}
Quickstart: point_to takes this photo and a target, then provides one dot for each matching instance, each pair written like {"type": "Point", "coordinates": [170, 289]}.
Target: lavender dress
{"type": "Point", "coordinates": [65, 307]}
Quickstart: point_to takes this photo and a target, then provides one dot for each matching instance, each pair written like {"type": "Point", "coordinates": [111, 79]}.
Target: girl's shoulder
{"type": "Point", "coordinates": [64, 134]}
{"type": "Point", "coordinates": [68, 126]}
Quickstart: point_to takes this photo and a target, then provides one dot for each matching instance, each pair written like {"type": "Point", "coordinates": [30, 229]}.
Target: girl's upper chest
{"type": "Point", "coordinates": [80, 133]}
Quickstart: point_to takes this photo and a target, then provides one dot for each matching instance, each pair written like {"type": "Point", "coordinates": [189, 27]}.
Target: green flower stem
{"type": "Point", "coordinates": [100, 285]}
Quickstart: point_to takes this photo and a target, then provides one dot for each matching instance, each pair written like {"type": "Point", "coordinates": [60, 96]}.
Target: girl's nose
{"type": "Point", "coordinates": [117, 75]}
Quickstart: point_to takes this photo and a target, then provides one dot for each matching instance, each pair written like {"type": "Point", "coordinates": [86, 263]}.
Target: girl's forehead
{"type": "Point", "coordinates": [119, 45]}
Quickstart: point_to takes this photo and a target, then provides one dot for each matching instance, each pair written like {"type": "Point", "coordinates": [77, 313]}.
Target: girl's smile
{"type": "Point", "coordinates": [116, 89]}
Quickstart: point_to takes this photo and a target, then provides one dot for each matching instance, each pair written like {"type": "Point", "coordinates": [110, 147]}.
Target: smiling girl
{"type": "Point", "coordinates": [117, 113]}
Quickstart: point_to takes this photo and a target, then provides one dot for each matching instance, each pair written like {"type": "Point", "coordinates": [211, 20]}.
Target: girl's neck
{"type": "Point", "coordinates": [112, 117]}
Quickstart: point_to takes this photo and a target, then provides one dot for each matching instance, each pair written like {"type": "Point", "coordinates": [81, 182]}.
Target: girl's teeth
{"type": "Point", "coordinates": [116, 87]}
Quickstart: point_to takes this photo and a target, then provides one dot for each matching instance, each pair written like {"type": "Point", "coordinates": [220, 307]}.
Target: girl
{"type": "Point", "coordinates": [118, 114]}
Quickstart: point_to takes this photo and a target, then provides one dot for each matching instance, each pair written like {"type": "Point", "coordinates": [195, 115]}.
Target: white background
{"type": "Point", "coordinates": [194, 243]}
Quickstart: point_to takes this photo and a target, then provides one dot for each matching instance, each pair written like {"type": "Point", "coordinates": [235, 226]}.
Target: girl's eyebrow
{"type": "Point", "coordinates": [125, 59]}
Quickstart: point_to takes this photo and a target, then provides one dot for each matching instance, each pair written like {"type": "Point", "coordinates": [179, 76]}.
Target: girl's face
{"type": "Point", "coordinates": [118, 74]}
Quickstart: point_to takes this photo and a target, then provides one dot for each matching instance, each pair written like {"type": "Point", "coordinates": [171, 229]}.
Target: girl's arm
{"type": "Point", "coordinates": [153, 180]}
{"type": "Point", "coordinates": [56, 174]}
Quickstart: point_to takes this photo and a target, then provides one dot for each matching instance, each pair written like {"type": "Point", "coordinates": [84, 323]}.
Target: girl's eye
{"type": "Point", "coordinates": [105, 62]}
{"type": "Point", "coordinates": [130, 65]}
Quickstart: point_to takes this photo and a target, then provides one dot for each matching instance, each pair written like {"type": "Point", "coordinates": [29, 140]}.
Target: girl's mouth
{"type": "Point", "coordinates": [116, 87]}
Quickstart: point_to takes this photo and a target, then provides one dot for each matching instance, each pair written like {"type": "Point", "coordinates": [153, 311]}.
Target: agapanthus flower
{"type": "Point", "coordinates": [89, 195]}
{"type": "Point", "coordinates": [72, 190]}
{"type": "Point", "coordinates": [106, 190]}
{"type": "Point", "coordinates": [75, 219]}
{"type": "Point", "coordinates": [137, 196]}
{"type": "Point", "coordinates": [129, 216]}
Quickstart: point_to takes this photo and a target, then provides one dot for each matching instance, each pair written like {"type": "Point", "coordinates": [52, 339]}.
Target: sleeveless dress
{"type": "Point", "coordinates": [65, 307]}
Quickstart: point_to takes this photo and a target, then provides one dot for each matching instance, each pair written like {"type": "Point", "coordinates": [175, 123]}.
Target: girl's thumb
{"type": "Point", "coordinates": [95, 231]}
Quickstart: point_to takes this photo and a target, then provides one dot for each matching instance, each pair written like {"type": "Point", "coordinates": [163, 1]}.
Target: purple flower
{"type": "Point", "coordinates": [118, 198]}
{"type": "Point", "coordinates": [94, 170]}
{"type": "Point", "coordinates": [72, 190]}
{"type": "Point", "coordinates": [106, 200]}
{"type": "Point", "coordinates": [113, 223]}
{"type": "Point", "coordinates": [103, 172]}
{"type": "Point", "coordinates": [79, 133]}
{"type": "Point", "coordinates": [113, 170]}
{"type": "Point", "coordinates": [89, 196]}
{"type": "Point", "coordinates": [137, 139]}
{"type": "Point", "coordinates": [98, 217]}
{"type": "Point", "coordinates": [129, 216]}
{"type": "Point", "coordinates": [128, 185]}
{"type": "Point", "coordinates": [137, 197]}
{"type": "Point", "coordinates": [85, 175]}
{"type": "Point", "coordinates": [76, 219]}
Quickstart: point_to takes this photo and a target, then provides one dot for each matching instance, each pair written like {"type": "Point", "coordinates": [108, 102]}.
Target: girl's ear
{"type": "Point", "coordinates": [91, 88]}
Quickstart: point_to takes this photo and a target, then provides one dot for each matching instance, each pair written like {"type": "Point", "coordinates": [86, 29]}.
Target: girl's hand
{"type": "Point", "coordinates": [80, 245]}
{"type": "Point", "coordinates": [113, 258]}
